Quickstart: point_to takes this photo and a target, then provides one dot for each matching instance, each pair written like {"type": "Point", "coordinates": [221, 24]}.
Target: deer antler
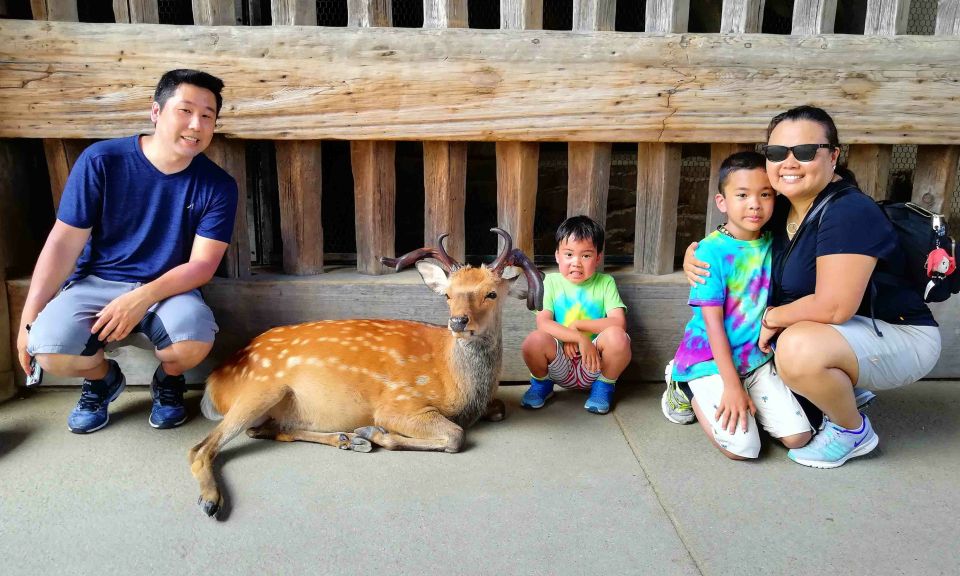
{"type": "Point", "coordinates": [498, 265]}
{"type": "Point", "coordinates": [439, 254]}
{"type": "Point", "coordinates": [534, 278]}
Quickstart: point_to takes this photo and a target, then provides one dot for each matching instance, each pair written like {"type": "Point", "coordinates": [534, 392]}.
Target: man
{"type": "Point", "coordinates": [144, 221]}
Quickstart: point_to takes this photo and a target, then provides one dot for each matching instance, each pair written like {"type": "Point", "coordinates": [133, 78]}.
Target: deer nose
{"type": "Point", "coordinates": [458, 323]}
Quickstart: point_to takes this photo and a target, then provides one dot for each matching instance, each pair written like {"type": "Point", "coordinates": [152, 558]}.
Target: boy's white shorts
{"type": "Point", "coordinates": [777, 410]}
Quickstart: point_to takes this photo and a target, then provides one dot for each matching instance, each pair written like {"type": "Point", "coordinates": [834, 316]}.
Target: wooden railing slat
{"type": "Point", "coordinates": [740, 16]}
{"type": "Point", "coordinates": [56, 10]}
{"type": "Point", "coordinates": [214, 13]}
{"type": "Point", "coordinates": [594, 15]}
{"type": "Point", "coordinates": [231, 156]}
{"type": "Point", "coordinates": [370, 13]}
{"type": "Point", "coordinates": [299, 177]}
{"type": "Point", "coordinates": [658, 188]}
{"type": "Point", "coordinates": [445, 189]}
{"type": "Point", "coordinates": [886, 17]}
{"type": "Point", "coordinates": [517, 165]}
{"type": "Point", "coordinates": [374, 179]}
{"type": "Point", "coordinates": [935, 177]}
{"type": "Point", "coordinates": [667, 16]}
{"type": "Point", "coordinates": [948, 18]}
{"type": "Point", "coordinates": [136, 11]}
{"type": "Point", "coordinates": [870, 163]}
{"type": "Point", "coordinates": [521, 14]}
{"type": "Point", "coordinates": [445, 14]}
{"type": "Point", "coordinates": [293, 12]}
{"type": "Point", "coordinates": [811, 17]}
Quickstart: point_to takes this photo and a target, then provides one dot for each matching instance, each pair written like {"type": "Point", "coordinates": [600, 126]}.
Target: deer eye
{"type": "Point", "coordinates": [492, 295]}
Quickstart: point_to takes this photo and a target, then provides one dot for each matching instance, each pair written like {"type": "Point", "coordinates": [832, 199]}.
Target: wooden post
{"type": "Point", "coordinates": [445, 163]}
{"type": "Point", "coordinates": [741, 16]}
{"type": "Point", "coordinates": [61, 156]}
{"type": "Point", "coordinates": [811, 17]}
{"type": "Point", "coordinates": [374, 180]}
{"type": "Point", "coordinates": [231, 156]}
{"type": "Point", "coordinates": [594, 15]}
{"type": "Point", "coordinates": [948, 18]}
{"type": "Point", "coordinates": [521, 14]}
{"type": "Point", "coordinates": [658, 188]}
{"type": "Point", "coordinates": [718, 153]}
{"type": "Point", "coordinates": [935, 177]}
{"type": "Point", "coordinates": [374, 171]}
{"type": "Point", "coordinates": [136, 11]}
{"type": "Point", "coordinates": [214, 13]}
{"type": "Point", "coordinates": [56, 10]}
{"type": "Point", "coordinates": [667, 16]}
{"type": "Point", "coordinates": [871, 165]}
{"type": "Point", "coordinates": [299, 170]}
{"type": "Point", "coordinates": [7, 339]}
{"type": "Point", "coordinates": [886, 17]}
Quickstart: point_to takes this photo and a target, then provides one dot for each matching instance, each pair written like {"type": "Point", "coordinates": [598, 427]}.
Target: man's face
{"type": "Point", "coordinates": [185, 124]}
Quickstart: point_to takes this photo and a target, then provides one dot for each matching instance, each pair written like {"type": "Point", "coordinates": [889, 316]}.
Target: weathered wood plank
{"type": "Point", "coordinates": [667, 16]}
{"type": "Point", "coordinates": [811, 17]}
{"type": "Point", "coordinates": [136, 11]}
{"type": "Point", "coordinates": [718, 153]}
{"type": "Point", "coordinates": [886, 17]}
{"type": "Point", "coordinates": [61, 156]}
{"type": "Point", "coordinates": [871, 165]}
{"type": "Point", "coordinates": [369, 13]}
{"type": "Point", "coordinates": [8, 342]}
{"type": "Point", "coordinates": [445, 195]}
{"type": "Point", "coordinates": [231, 156]}
{"type": "Point", "coordinates": [517, 164]}
{"type": "Point", "coordinates": [59, 10]}
{"type": "Point", "coordinates": [214, 13]}
{"type": "Point", "coordinates": [948, 18]}
{"type": "Point", "coordinates": [521, 14]}
{"type": "Point", "coordinates": [93, 81]}
{"type": "Point", "coordinates": [375, 190]}
{"type": "Point", "coordinates": [299, 177]}
{"type": "Point", "coordinates": [658, 190]}
{"type": "Point", "coordinates": [935, 178]}
{"type": "Point", "coordinates": [588, 179]}
{"type": "Point", "coordinates": [445, 14]}
{"type": "Point", "coordinates": [741, 16]}
{"type": "Point", "coordinates": [293, 12]}
{"type": "Point", "coordinates": [594, 15]}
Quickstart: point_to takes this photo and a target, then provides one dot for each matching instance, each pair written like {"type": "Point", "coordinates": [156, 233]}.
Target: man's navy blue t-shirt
{"type": "Point", "coordinates": [143, 221]}
{"type": "Point", "coordinates": [852, 224]}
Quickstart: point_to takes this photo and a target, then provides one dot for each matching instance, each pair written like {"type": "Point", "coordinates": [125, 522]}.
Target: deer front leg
{"type": "Point", "coordinates": [496, 411]}
{"type": "Point", "coordinates": [423, 431]}
{"type": "Point", "coordinates": [341, 440]}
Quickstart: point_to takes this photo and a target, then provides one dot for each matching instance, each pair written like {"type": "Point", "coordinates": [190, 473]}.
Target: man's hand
{"type": "Point", "coordinates": [22, 355]}
{"type": "Point", "coordinates": [121, 316]}
{"type": "Point", "coordinates": [735, 406]}
{"type": "Point", "coordinates": [589, 356]}
{"type": "Point", "coordinates": [766, 338]}
{"type": "Point", "coordinates": [695, 270]}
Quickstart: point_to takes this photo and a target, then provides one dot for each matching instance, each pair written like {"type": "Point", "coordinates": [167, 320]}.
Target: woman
{"type": "Point", "coordinates": [833, 322]}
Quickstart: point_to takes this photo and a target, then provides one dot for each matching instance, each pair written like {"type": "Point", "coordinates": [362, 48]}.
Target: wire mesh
{"type": "Point", "coordinates": [332, 12]}
{"type": "Point", "coordinates": [923, 17]}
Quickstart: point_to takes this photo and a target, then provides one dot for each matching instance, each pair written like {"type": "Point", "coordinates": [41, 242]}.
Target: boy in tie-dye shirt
{"type": "Point", "coordinates": [581, 340]}
{"type": "Point", "coordinates": [719, 364]}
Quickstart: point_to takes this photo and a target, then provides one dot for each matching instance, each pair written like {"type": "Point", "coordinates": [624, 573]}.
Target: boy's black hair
{"type": "Point", "coordinates": [820, 116]}
{"type": "Point", "coordinates": [581, 228]}
{"type": "Point", "coordinates": [746, 160]}
{"type": "Point", "coordinates": [171, 80]}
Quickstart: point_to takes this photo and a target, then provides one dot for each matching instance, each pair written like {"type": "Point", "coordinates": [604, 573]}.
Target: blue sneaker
{"type": "Point", "coordinates": [601, 396]}
{"type": "Point", "coordinates": [91, 412]}
{"type": "Point", "coordinates": [537, 395]}
{"type": "Point", "coordinates": [835, 445]}
{"type": "Point", "coordinates": [168, 410]}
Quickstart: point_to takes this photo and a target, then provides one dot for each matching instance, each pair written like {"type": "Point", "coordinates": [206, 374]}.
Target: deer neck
{"type": "Point", "coordinates": [477, 366]}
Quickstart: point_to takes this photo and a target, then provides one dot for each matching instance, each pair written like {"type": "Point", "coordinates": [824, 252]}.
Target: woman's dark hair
{"type": "Point", "coordinates": [820, 116]}
{"type": "Point", "coordinates": [581, 228]}
{"type": "Point", "coordinates": [172, 80]}
{"type": "Point", "coordinates": [746, 160]}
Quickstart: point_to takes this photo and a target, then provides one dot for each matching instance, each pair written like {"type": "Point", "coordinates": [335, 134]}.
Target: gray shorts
{"type": "Point", "coordinates": [902, 356]}
{"type": "Point", "coordinates": [63, 327]}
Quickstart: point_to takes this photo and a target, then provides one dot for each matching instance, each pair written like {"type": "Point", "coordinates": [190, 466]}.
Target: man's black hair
{"type": "Point", "coordinates": [746, 160]}
{"type": "Point", "coordinates": [581, 228]}
{"type": "Point", "coordinates": [171, 80]}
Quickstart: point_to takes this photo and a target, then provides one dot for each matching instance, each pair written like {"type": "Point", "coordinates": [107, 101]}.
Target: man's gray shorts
{"type": "Point", "coordinates": [63, 327]}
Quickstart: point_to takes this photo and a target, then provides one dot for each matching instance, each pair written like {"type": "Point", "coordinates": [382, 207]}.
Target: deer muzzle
{"type": "Point", "coordinates": [458, 323]}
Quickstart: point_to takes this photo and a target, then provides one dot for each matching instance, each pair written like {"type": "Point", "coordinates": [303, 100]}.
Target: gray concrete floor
{"type": "Point", "coordinates": [558, 491]}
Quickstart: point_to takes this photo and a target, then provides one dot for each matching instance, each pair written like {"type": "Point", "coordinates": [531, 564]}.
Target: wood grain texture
{"type": "Point", "coordinates": [588, 179]}
{"type": "Point", "coordinates": [58, 10]}
{"type": "Point", "coordinates": [948, 18]}
{"type": "Point", "coordinates": [667, 16]}
{"type": "Point", "coordinates": [136, 11]}
{"type": "Point", "coordinates": [594, 15]}
{"type": "Point", "coordinates": [741, 16]}
{"type": "Point", "coordinates": [886, 17]}
{"type": "Point", "coordinates": [935, 177]}
{"type": "Point", "coordinates": [61, 79]}
{"type": "Point", "coordinates": [8, 342]}
{"type": "Point", "coordinates": [61, 156]}
{"type": "Point", "coordinates": [517, 165]}
{"type": "Point", "coordinates": [214, 13]}
{"type": "Point", "coordinates": [231, 156]}
{"type": "Point", "coordinates": [293, 12]}
{"type": "Point", "coordinates": [871, 165]}
{"type": "Point", "coordinates": [298, 178]}
{"type": "Point", "coordinates": [445, 14]}
{"type": "Point", "coordinates": [718, 153]}
{"type": "Point", "coordinates": [369, 13]}
{"type": "Point", "coordinates": [375, 191]}
{"type": "Point", "coordinates": [658, 189]}
{"type": "Point", "coordinates": [812, 17]}
{"type": "Point", "coordinates": [445, 195]}
{"type": "Point", "coordinates": [521, 14]}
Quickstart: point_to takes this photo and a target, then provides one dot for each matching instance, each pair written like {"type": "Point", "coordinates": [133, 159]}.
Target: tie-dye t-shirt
{"type": "Point", "coordinates": [588, 300]}
{"type": "Point", "coordinates": [739, 281]}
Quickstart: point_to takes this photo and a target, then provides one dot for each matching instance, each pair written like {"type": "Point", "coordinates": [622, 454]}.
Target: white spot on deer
{"type": "Point", "coordinates": [265, 363]}
{"type": "Point", "coordinates": [417, 394]}
{"type": "Point", "coordinates": [422, 379]}
{"type": "Point", "coordinates": [261, 378]}
{"type": "Point", "coordinates": [295, 341]}
{"type": "Point", "coordinates": [305, 341]}
{"type": "Point", "coordinates": [274, 339]}
{"type": "Point", "coordinates": [354, 348]}
{"type": "Point", "coordinates": [283, 353]}
{"type": "Point", "coordinates": [294, 361]}
{"type": "Point", "coordinates": [402, 397]}
{"type": "Point", "coordinates": [280, 374]}
{"type": "Point", "coordinates": [255, 357]}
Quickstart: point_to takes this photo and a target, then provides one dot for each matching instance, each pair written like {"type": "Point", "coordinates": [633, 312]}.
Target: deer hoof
{"type": "Point", "coordinates": [355, 444]}
{"type": "Point", "coordinates": [496, 411]}
{"type": "Point", "coordinates": [209, 507]}
{"type": "Point", "coordinates": [367, 432]}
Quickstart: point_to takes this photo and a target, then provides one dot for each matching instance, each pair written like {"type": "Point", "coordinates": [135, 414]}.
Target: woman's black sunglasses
{"type": "Point", "coordinates": [802, 152]}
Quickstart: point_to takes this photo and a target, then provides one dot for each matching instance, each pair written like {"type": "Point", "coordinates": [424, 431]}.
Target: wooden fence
{"type": "Point", "coordinates": [297, 84]}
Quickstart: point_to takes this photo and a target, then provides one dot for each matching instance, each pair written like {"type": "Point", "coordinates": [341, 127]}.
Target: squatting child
{"type": "Point", "coordinates": [580, 341]}
{"type": "Point", "coordinates": [719, 364]}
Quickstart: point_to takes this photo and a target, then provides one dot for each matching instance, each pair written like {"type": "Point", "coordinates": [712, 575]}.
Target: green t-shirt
{"type": "Point", "coordinates": [590, 300]}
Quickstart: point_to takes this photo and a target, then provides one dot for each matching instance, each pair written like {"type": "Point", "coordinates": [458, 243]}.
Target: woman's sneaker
{"type": "Point", "coordinates": [91, 412]}
{"type": "Point", "coordinates": [537, 395]}
{"type": "Point", "coordinates": [835, 445]}
{"type": "Point", "coordinates": [674, 403]}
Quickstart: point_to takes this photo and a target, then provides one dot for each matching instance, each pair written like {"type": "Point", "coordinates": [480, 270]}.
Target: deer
{"type": "Point", "coordinates": [353, 384]}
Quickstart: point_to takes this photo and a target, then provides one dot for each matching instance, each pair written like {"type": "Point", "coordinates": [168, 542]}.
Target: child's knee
{"type": "Point", "coordinates": [538, 341]}
{"type": "Point", "coordinates": [797, 440]}
{"type": "Point", "coordinates": [616, 340]}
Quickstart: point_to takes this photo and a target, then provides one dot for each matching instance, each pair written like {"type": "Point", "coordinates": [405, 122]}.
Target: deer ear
{"type": "Point", "coordinates": [433, 276]}
{"type": "Point", "coordinates": [518, 284]}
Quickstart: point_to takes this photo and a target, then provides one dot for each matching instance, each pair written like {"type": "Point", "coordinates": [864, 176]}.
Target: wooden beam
{"type": "Point", "coordinates": [58, 10]}
{"type": "Point", "coordinates": [667, 16]}
{"type": "Point", "coordinates": [935, 178]}
{"type": "Point", "coordinates": [214, 13]}
{"type": "Point", "coordinates": [61, 156]}
{"type": "Point", "coordinates": [445, 14]}
{"type": "Point", "coordinates": [871, 165]}
{"type": "Point", "coordinates": [293, 12]}
{"type": "Point", "coordinates": [594, 15]}
{"type": "Point", "coordinates": [136, 11]}
{"type": "Point", "coordinates": [948, 18]}
{"type": "Point", "coordinates": [718, 153]}
{"type": "Point", "coordinates": [658, 189]}
{"type": "Point", "coordinates": [369, 13]}
{"type": "Point", "coordinates": [231, 156]}
{"type": "Point", "coordinates": [517, 165]}
{"type": "Point", "coordinates": [375, 182]}
{"type": "Point", "coordinates": [886, 17]}
{"type": "Point", "coordinates": [812, 17]}
{"type": "Point", "coordinates": [741, 16]}
{"type": "Point", "coordinates": [62, 79]}
{"type": "Point", "coordinates": [445, 190]}
{"type": "Point", "coordinates": [299, 177]}
{"type": "Point", "coordinates": [588, 179]}
{"type": "Point", "coordinates": [521, 14]}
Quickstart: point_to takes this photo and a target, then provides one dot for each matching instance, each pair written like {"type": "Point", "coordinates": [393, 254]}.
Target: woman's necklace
{"type": "Point", "coordinates": [794, 225]}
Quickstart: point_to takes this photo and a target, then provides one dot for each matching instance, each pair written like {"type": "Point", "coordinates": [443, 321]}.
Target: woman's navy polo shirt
{"type": "Point", "coordinates": [851, 224]}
